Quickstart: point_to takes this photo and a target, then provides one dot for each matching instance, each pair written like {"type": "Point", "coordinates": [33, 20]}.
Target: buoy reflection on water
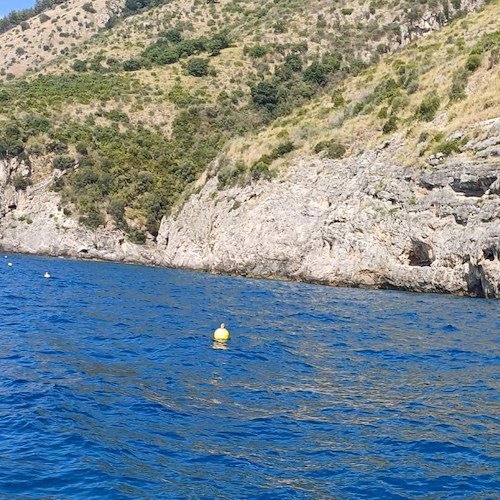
{"type": "Point", "coordinates": [220, 345]}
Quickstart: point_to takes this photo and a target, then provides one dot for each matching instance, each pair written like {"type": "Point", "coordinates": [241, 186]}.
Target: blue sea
{"type": "Point", "coordinates": [111, 387]}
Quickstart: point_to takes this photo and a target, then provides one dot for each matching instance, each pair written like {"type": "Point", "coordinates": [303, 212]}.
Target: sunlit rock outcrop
{"type": "Point", "coordinates": [362, 221]}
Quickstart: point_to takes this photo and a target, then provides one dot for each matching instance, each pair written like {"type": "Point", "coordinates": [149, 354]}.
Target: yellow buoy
{"type": "Point", "coordinates": [46, 275]}
{"type": "Point", "coordinates": [221, 334]}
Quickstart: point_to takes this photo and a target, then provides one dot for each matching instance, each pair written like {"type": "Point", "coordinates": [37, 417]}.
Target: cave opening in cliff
{"type": "Point", "coordinates": [420, 254]}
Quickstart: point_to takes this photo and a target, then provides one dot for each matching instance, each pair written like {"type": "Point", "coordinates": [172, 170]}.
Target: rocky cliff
{"type": "Point", "coordinates": [33, 221]}
{"type": "Point", "coordinates": [359, 221]}
{"type": "Point", "coordinates": [362, 221]}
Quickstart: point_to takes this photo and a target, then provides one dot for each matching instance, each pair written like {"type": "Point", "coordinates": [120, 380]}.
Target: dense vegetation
{"type": "Point", "coordinates": [120, 165]}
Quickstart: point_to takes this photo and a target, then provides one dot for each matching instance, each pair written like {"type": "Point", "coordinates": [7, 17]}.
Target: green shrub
{"type": "Point", "coordinates": [136, 236]}
{"type": "Point", "coordinates": [390, 125]}
{"type": "Point", "coordinates": [197, 66]}
{"type": "Point", "coordinates": [293, 62]}
{"type": "Point", "coordinates": [56, 146]}
{"type": "Point", "coordinates": [35, 124]}
{"type": "Point", "coordinates": [181, 96]}
{"type": "Point", "coordinates": [58, 185]}
{"type": "Point", "coordinates": [79, 66]}
{"type": "Point", "coordinates": [279, 27]}
{"type": "Point", "coordinates": [63, 162]}
{"type": "Point", "coordinates": [449, 147]}
{"type": "Point", "coordinates": [266, 94]}
{"type": "Point", "coordinates": [256, 51]}
{"type": "Point", "coordinates": [260, 170]}
{"type": "Point", "coordinates": [218, 42]}
{"type": "Point", "coordinates": [163, 55]}
{"type": "Point", "coordinates": [21, 182]}
{"type": "Point", "coordinates": [116, 208]}
{"type": "Point", "coordinates": [427, 109]}
{"type": "Point", "coordinates": [283, 149]}
{"type": "Point", "coordinates": [494, 57]}
{"type": "Point", "coordinates": [92, 218]}
{"type": "Point", "coordinates": [412, 86]}
{"type": "Point", "coordinates": [458, 84]}
{"type": "Point", "coordinates": [473, 62]}
{"type": "Point", "coordinates": [135, 5]}
{"type": "Point", "coordinates": [10, 146]}
{"type": "Point", "coordinates": [338, 99]}
{"type": "Point", "coordinates": [84, 178]}
{"type": "Point", "coordinates": [173, 36]}
{"type": "Point", "coordinates": [382, 114]}
{"type": "Point", "coordinates": [388, 89]}
{"type": "Point", "coordinates": [315, 73]}
{"type": "Point", "coordinates": [332, 148]}
{"type": "Point", "coordinates": [398, 103]}
{"type": "Point", "coordinates": [88, 7]}
{"type": "Point", "coordinates": [230, 175]}
{"type": "Point", "coordinates": [331, 62]}
{"type": "Point", "coordinates": [82, 149]}
{"type": "Point", "coordinates": [132, 65]}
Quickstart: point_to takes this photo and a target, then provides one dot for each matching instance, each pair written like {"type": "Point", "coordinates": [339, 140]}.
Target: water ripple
{"type": "Point", "coordinates": [111, 387]}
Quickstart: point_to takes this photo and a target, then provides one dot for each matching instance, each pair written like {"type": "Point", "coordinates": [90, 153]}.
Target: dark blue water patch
{"type": "Point", "coordinates": [111, 387]}
{"type": "Point", "coordinates": [449, 328]}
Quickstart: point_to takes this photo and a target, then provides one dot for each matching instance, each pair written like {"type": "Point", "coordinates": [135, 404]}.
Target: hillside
{"type": "Point", "coordinates": [39, 36]}
{"type": "Point", "coordinates": [206, 101]}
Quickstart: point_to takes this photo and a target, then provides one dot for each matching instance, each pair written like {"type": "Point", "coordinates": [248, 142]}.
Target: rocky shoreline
{"type": "Point", "coordinates": [362, 221]}
{"type": "Point", "coordinates": [381, 229]}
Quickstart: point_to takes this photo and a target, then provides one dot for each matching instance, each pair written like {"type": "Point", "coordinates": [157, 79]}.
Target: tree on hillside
{"type": "Point", "coordinates": [197, 66]}
{"type": "Point", "coordinates": [266, 95]}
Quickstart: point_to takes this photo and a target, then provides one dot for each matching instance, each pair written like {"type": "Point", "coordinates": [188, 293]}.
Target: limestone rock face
{"type": "Point", "coordinates": [32, 221]}
{"type": "Point", "coordinates": [359, 222]}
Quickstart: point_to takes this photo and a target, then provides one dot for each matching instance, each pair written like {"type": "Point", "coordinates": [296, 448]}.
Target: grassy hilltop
{"type": "Point", "coordinates": [144, 97]}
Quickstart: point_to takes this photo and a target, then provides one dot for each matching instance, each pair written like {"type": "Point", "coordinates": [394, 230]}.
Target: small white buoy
{"type": "Point", "coordinates": [46, 275]}
{"type": "Point", "coordinates": [10, 264]}
{"type": "Point", "coordinates": [5, 257]}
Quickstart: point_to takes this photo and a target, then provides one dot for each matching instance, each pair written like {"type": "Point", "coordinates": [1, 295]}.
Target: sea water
{"type": "Point", "coordinates": [111, 387]}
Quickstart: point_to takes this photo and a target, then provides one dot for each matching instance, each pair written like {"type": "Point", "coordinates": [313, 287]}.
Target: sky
{"type": "Point", "coordinates": [7, 5]}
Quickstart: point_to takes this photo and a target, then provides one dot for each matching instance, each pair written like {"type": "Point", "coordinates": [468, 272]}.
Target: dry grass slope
{"type": "Point", "coordinates": [52, 34]}
{"type": "Point", "coordinates": [433, 60]}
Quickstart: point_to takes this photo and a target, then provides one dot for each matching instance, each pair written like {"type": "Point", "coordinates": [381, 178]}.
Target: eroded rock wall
{"type": "Point", "coordinates": [362, 221]}
{"type": "Point", "coordinates": [33, 221]}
